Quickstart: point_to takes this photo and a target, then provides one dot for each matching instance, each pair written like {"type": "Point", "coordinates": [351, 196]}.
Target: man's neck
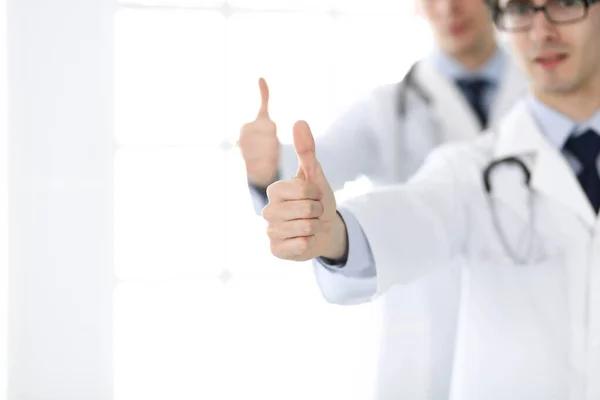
{"type": "Point", "coordinates": [476, 58]}
{"type": "Point", "coordinates": [580, 105]}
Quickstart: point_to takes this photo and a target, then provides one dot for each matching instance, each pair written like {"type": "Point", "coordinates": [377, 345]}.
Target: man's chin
{"type": "Point", "coordinates": [555, 85]}
{"type": "Point", "coordinates": [463, 46]}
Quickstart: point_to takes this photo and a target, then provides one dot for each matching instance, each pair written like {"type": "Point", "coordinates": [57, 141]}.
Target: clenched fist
{"type": "Point", "coordinates": [259, 144]}
{"type": "Point", "coordinates": [302, 219]}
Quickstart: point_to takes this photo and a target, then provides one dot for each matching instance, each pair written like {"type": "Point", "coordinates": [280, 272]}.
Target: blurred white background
{"type": "Point", "coordinates": [138, 268]}
{"type": "Point", "coordinates": [3, 205]}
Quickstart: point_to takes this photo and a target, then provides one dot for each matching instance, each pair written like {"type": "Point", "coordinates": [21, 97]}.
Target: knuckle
{"type": "Point", "coordinates": [307, 209]}
{"type": "Point", "coordinates": [270, 125]}
{"type": "Point", "coordinates": [244, 134]}
{"type": "Point", "coordinates": [267, 212]}
{"type": "Point", "coordinates": [303, 189]}
{"type": "Point", "coordinates": [248, 127]}
{"type": "Point", "coordinates": [317, 209]}
{"type": "Point", "coordinates": [273, 189]}
{"type": "Point", "coordinates": [275, 247]}
{"type": "Point", "coordinates": [300, 210]}
{"type": "Point", "coordinates": [316, 226]}
{"type": "Point", "coordinates": [302, 246]}
{"type": "Point", "coordinates": [286, 188]}
{"type": "Point", "coordinates": [263, 125]}
{"type": "Point", "coordinates": [272, 231]}
{"type": "Point", "coordinates": [306, 227]}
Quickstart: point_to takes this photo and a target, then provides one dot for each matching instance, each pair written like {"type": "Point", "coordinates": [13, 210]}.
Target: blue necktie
{"type": "Point", "coordinates": [586, 148]}
{"type": "Point", "coordinates": [474, 91]}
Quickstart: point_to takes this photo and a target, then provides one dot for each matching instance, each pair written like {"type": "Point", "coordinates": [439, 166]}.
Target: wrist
{"type": "Point", "coordinates": [338, 245]}
{"type": "Point", "coordinates": [263, 183]}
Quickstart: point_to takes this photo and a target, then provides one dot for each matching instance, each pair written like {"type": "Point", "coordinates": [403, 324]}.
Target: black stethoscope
{"type": "Point", "coordinates": [409, 83]}
{"type": "Point", "coordinates": [487, 172]}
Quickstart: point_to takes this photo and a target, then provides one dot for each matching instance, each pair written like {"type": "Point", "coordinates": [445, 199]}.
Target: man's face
{"type": "Point", "coordinates": [558, 58]}
{"type": "Point", "coordinates": [459, 26]}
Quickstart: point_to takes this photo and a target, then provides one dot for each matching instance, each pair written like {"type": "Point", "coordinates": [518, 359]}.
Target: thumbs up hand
{"type": "Point", "coordinates": [259, 144]}
{"type": "Point", "coordinates": [302, 219]}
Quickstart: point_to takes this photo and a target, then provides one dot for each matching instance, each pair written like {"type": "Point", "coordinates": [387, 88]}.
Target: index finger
{"type": "Point", "coordinates": [293, 189]}
{"type": "Point", "coordinates": [264, 98]}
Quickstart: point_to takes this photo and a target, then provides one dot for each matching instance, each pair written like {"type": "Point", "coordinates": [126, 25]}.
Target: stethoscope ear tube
{"type": "Point", "coordinates": [409, 83]}
{"type": "Point", "coordinates": [508, 160]}
{"type": "Point", "coordinates": [497, 223]}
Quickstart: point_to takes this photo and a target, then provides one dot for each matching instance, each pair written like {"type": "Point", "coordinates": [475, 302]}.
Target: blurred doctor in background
{"type": "Point", "coordinates": [465, 85]}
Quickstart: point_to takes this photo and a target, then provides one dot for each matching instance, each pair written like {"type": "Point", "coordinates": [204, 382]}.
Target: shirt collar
{"type": "Point", "coordinates": [557, 127]}
{"type": "Point", "coordinates": [451, 69]}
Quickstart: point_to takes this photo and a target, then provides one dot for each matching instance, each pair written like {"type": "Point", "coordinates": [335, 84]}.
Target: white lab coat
{"type": "Point", "coordinates": [418, 321]}
{"type": "Point", "coordinates": [524, 332]}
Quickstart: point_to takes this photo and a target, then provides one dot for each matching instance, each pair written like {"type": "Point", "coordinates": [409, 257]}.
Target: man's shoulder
{"type": "Point", "coordinates": [476, 152]}
{"type": "Point", "coordinates": [373, 101]}
{"type": "Point", "coordinates": [391, 88]}
{"type": "Point", "coordinates": [377, 104]}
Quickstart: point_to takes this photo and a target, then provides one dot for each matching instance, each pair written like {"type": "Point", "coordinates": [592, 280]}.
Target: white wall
{"type": "Point", "coordinates": [60, 144]}
{"type": "Point", "coordinates": [3, 207]}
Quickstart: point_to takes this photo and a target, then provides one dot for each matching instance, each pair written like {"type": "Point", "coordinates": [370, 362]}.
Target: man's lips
{"type": "Point", "coordinates": [457, 28]}
{"type": "Point", "coordinates": [550, 60]}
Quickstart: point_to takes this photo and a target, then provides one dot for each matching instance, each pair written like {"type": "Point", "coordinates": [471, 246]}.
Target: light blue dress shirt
{"type": "Point", "coordinates": [491, 71]}
{"type": "Point", "coordinates": [556, 127]}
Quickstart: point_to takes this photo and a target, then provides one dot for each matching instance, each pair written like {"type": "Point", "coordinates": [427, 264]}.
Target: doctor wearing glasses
{"type": "Point", "coordinates": [517, 208]}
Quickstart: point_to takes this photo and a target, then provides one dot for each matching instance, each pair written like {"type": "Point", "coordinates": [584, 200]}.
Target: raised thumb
{"type": "Point", "coordinates": [304, 143]}
{"type": "Point", "coordinates": [264, 99]}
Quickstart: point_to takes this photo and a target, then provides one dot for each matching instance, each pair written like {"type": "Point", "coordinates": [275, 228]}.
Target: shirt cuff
{"type": "Point", "coordinates": [259, 195]}
{"type": "Point", "coordinates": [258, 191]}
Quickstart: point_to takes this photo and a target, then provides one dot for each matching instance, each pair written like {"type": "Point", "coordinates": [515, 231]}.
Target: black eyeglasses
{"type": "Point", "coordinates": [518, 15]}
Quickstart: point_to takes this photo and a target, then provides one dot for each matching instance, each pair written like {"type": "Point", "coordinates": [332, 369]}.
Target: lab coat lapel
{"type": "Point", "coordinates": [457, 120]}
{"type": "Point", "coordinates": [519, 135]}
{"type": "Point", "coordinates": [553, 176]}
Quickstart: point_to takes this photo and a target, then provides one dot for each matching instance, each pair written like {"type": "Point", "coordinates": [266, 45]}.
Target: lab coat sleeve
{"type": "Point", "coordinates": [259, 197]}
{"type": "Point", "coordinates": [353, 282]}
{"type": "Point", "coordinates": [414, 228]}
{"type": "Point", "coordinates": [346, 150]}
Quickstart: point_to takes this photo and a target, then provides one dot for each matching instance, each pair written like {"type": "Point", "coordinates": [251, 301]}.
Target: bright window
{"type": "Point", "coordinates": [202, 310]}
